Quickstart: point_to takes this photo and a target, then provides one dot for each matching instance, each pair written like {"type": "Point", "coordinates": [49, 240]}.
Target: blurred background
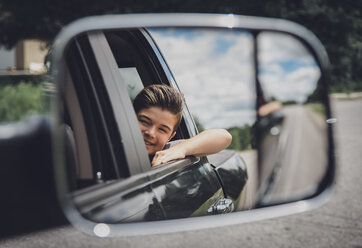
{"type": "Point", "coordinates": [27, 28]}
{"type": "Point", "coordinates": [338, 24]}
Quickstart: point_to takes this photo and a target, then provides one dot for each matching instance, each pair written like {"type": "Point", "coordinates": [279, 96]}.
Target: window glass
{"type": "Point", "coordinates": [132, 79]}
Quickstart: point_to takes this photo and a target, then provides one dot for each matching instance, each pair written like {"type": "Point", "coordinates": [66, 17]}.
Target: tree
{"type": "Point", "coordinates": [18, 101]}
{"type": "Point", "coordinates": [337, 23]}
{"type": "Point", "coordinates": [43, 19]}
{"type": "Point", "coordinates": [242, 137]}
{"type": "Point", "coordinates": [198, 124]}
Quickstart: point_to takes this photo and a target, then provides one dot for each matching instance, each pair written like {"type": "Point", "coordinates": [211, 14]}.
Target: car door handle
{"type": "Point", "coordinates": [222, 205]}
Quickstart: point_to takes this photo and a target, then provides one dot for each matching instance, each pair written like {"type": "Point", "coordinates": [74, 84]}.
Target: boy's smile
{"type": "Point", "coordinates": [157, 127]}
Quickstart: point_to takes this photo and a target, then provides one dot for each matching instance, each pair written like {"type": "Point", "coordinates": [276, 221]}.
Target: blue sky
{"type": "Point", "coordinates": [288, 65]}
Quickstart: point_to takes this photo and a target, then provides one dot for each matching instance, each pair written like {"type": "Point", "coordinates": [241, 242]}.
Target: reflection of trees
{"type": "Point", "coordinates": [198, 124]}
{"type": "Point", "coordinates": [154, 211]}
{"type": "Point", "coordinates": [242, 137]}
{"type": "Point", "coordinates": [317, 94]}
{"type": "Point", "coordinates": [185, 191]}
{"type": "Point", "coordinates": [289, 102]}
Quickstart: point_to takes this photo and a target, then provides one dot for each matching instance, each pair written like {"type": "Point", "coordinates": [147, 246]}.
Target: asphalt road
{"type": "Point", "coordinates": [300, 159]}
{"type": "Point", "coordinates": [336, 224]}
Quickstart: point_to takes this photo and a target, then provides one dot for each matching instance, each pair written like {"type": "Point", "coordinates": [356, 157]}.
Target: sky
{"type": "Point", "coordinates": [288, 70]}
{"type": "Point", "coordinates": [215, 71]}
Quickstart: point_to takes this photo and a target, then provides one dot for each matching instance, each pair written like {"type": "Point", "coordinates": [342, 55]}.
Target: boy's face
{"type": "Point", "coordinates": [157, 127]}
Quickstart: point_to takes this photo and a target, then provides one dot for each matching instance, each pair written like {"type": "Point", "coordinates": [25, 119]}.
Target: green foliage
{"type": "Point", "coordinates": [242, 138]}
{"type": "Point", "coordinates": [317, 108]}
{"type": "Point", "coordinates": [26, 78]}
{"type": "Point", "coordinates": [20, 100]}
{"type": "Point", "coordinates": [198, 124]}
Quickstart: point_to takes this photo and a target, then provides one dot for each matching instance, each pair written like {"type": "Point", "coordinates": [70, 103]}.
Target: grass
{"type": "Point", "coordinates": [317, 108]}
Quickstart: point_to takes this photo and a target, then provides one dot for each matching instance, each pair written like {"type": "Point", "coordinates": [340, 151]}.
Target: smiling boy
{"type": "Point", "coordinates": [159, 113]}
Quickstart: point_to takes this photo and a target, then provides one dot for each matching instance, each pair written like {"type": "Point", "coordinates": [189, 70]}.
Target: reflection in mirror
{"type": "Point", "coordinates": [110, 178]}
{"type": "Point", "coordinates": [292, 129]}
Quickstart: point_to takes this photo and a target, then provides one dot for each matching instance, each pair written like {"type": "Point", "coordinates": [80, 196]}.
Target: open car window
{"type": "Point", "coordinates": [140, 64]}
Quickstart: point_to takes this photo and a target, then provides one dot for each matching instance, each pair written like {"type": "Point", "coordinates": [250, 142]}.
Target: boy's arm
{"type": "Point", "coordinates": [205, 143]}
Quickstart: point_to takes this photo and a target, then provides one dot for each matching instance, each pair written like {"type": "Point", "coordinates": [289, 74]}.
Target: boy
{"type": "Point", "coordinates": [159, 113]}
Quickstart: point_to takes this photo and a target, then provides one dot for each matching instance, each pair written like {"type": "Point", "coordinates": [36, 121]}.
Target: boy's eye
{"type": "Point", "coordinates": [163, 130]}
{"type": "Point", "coordinates": [144, 122]}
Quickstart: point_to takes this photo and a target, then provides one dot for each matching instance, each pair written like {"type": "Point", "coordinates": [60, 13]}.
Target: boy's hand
{"type": "Point", "coordinates": [164, 156]}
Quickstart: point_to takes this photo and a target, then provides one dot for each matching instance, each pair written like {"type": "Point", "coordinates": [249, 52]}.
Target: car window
{"type": "Point", "coordinates": [131, 59]}
{"type": "Point", "coordinates": [139, 65]}
{"type": "Point", "coordinates": [132, 79]}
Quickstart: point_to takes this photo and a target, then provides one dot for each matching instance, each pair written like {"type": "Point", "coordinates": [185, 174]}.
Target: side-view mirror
{"type": "Point", "coordinates": [265, 81]}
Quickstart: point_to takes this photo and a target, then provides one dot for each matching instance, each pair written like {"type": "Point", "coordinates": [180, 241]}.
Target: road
{"type": "Point", "coordinates": [299, 157]}
{"type": "Point", "coordinates": [336, 224]}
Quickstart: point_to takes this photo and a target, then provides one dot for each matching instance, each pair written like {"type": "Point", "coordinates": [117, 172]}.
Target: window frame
{"type": "Point", "coordinates": [133, 144]}
{"type": "Point", "coordinates": [89, 89]}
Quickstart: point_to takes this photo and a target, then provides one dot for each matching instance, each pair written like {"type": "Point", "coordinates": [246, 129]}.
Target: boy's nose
{"type": "Point", "coordinates": [151, 132]}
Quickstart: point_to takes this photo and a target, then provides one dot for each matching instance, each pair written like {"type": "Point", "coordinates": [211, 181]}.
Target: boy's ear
{"type": "Point", "coordinates": [172, 135]}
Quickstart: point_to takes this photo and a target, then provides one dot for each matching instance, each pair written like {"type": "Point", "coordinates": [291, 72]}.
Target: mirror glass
{"type": "Point", "coordinates": [293, 142]}
{"type": "Point", "coordinates": [108, 165]}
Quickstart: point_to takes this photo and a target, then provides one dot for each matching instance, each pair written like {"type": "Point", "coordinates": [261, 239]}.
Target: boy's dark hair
{"type": "Point", "coordinates": [160, 95]}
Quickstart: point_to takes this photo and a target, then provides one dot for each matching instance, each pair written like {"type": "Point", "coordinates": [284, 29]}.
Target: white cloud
{"type": "Point", "coordinates": [281, 47]}
{"type": "Point", "coordinates": [214, 71]}
{"type": "Point", "coordinates": [289, 71]}
{"type": "Point", "coordinates": [295, 85]}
